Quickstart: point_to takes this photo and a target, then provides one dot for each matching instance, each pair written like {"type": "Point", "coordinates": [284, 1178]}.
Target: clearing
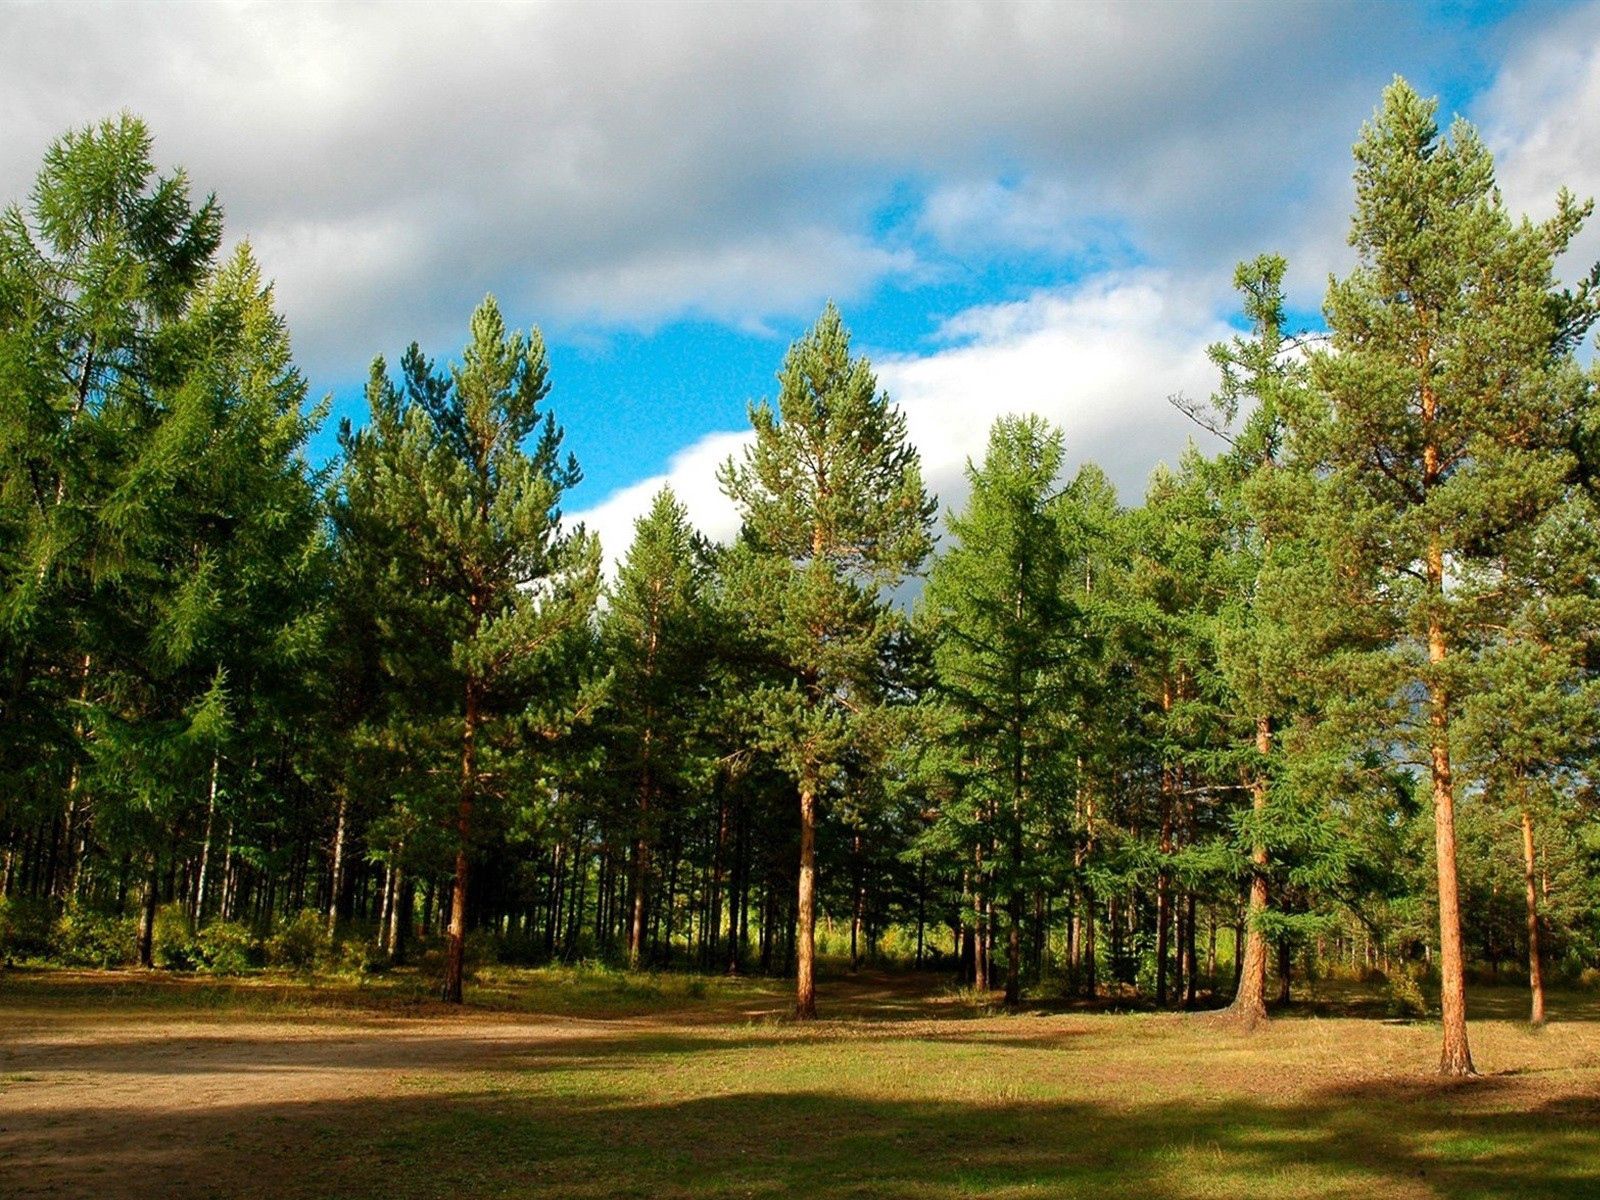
{"type": "Point", "coordinates": [597, 1084]}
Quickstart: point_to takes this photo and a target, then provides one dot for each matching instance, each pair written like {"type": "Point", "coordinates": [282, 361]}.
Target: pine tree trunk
{"type": "Point", "coordinates": [858, 903]}
{"type": "Point", "coordinates": [1189, 972]}
{"type": "Point", "coordinates": [1455, 1056]}
{"type": "Point", "coordinates": [641, 875]}
{"type": "Point", "coordinates": [1163, 877]}
{"type": "Point", "coordinates": [1249, 1006]}
{"type": "Point", "coordinates": [205, 847]}
{"type": "Point", "coordinates": [336, 871]}
{"type": "Point", "coordinates": [147, 917]}
{"type": "Point", "coordinates": [455, 952]}
{"type": "Point", "coordinates": [805, 997]}
{"type": "Point", "coordinates": [1535, 968]}
{"type": "Point", "coordinates": [1088, 951]}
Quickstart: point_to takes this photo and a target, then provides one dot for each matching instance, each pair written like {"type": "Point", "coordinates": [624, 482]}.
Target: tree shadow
{"type": "Point", "coordinates": [1474, 1141]}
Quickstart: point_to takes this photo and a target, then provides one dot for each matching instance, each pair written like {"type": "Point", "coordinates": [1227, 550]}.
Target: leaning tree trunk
{"type": "Point", "coordinates": [805, 984]}
{"type": "Point", "coordinates": [1535, 968]}
{"type": "Point", "coordinates": [1250, 1001]}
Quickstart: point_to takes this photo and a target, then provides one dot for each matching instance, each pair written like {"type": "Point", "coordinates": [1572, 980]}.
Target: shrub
{"type": "Point", "coordinates": [172, 943]}
{"type": "Point", "coordinates": [25, 928]}
{"type": "Point", "coordinates": [481, 948]}
{"type": "Point", "coordinates": [85, 938]}
{"type": "Point", "coordinates": [1403, 996]}
{"type": "Point", "coordinates": [358, 956]}
{"type": "Point", "coordinates": [300, 942]}
{"type": "Point", "coordinates": [226, 947]}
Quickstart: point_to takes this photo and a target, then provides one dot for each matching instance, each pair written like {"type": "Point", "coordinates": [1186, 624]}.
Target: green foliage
{"type": "Point", "coordinates": [25, 928]}
{"type": "Point", "coordinates": [172, 942]}
{"type": "Point", "coordinates": [1403, 997]}
{"type": "Point", "coordinates": [226, 948]}
{"type": "Point", "coordinates": [84, 937]}
{"type": "Point", "coordinates": [300, 942]}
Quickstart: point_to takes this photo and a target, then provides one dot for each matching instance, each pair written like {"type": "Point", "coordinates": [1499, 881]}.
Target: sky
{"type": "Point", "coordinates": [1019, 207]}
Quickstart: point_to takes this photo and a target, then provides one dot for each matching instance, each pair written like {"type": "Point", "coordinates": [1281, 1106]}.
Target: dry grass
{"type": "Point", "coordinates": [117, 1087]}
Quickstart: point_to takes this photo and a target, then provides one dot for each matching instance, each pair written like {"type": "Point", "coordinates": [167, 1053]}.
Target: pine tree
{"type": "Point", "coordinates": [1440, 418]}
{"type": "Point", "coordinates": [654, 633]}
{"type": "Point", "coordinates": [487, 588]}
{"type": "Point", "coordinates": [94, 275]}
{"type": "Point", "coordinates": [1253, 650]}
{"type": "Point", "coordinates": [832, 498]}
{"type": "Point", "coordinates": [1003, 626]}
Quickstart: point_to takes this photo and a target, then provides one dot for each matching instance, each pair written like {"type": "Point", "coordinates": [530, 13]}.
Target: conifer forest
{"type": "Point", "coordinates": [1320, 708]}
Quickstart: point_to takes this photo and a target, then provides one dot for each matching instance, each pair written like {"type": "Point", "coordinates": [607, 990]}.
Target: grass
{"type": "Point", "coordinates": [664, 1086]}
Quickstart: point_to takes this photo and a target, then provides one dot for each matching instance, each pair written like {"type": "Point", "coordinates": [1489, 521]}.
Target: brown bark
{"type": "Point", "coordinates": [1535, 968]}
{"type": "Point", "coordinates": [1163, 877]}
{"type": "Point", "coordinates": [858, 903]}
{"type": "Point", "coordinates": [147, 918]}
{"type": "Point", "coordinates": [1249, 1006]}
{"type": "Point", "coordinates": [1455, 1056]}
{"type": "Point", "coordinates": [455, 951]}
{"type": "Point", "coordinates": [805, 995]}
{"type": "Point", "coordinates": [641, 876]}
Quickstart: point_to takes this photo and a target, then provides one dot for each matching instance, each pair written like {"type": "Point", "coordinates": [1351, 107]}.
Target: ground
{"type": "Point", "coordinates": [588, 1084]}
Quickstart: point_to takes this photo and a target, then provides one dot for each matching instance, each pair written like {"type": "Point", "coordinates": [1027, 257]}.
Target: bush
{"type": "Point", "coordinates": [226, 948]}
{"type": "Point", "coordinates": [172, 943]}
{"type": "Point", "coordinates": [84, 938]}
{"type": "Point", "coordinates": [1403, 996]}
{"type": "Point", "coordinates": [301, 941]}
{"type": "Point", "coordinates": [358, 956]}
{"type": "Point", "coordinates": [25, 928]}
{"type": "Point", "coordinates": [482, 948]}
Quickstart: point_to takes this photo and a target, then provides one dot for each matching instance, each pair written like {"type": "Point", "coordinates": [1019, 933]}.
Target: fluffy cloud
{"type": "Point", "coordinates": [1542, 119]}
{"type": "Point", "coordinates": [629, 163]}
{"type": "Point", "coordinates": [1100, 359]}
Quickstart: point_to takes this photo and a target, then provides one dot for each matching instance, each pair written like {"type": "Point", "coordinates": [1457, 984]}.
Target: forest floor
{"type": "Point", "coordinates": [598, 1084]}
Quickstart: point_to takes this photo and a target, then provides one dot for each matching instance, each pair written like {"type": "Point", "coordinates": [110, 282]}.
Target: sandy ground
{"type": "Point", "coordinates": [98, 1100]}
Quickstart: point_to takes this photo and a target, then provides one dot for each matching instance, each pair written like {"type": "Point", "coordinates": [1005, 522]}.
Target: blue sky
{"type": "Point", "coordinates": [1017, 206]}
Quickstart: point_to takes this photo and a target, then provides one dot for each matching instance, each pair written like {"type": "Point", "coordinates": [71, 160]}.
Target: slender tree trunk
{"type": "Point", "coordinates": [1285, 969]}
{"type": "Point", "coordinates": [1163, 876]}
{"type": "Point", "coordinates": [1455, 1056]}
{"type": "Point", "coordinates": [455, 952]}
{"type": "Point", "coordinates": [1188, 950]}
{"type": "Point", "coordinates": [147, 916]}
{"type": "Point", "coordinates": [1250, 999]}
{"type": "Point", "coordinates": [1535, 969]}
{"type": "Point", "coordinates": [805, 993]}
{"type": "Point", "coordinates": [205, 847]}
{"type": "Point", "coordinates": [857, 902]}
{"type": "Point", "coordinates": [922, 899]}
{"type": "Point", "coordinates": [1088, 951]}
{"type": "Point", "coordinates": [980, 944]}
{"type": "Point", "coordinates": [336, 870]}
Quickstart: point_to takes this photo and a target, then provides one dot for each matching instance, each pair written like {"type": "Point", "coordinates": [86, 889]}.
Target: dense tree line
{"type": "Point", "coordinates": [1324, 700]}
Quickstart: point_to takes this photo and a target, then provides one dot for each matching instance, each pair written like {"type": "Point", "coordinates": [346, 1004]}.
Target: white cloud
{"type": "Point", "coordinates": [1099, 359]}
{"type": "Point", "coordinates": [628, 163]}
{"type": "Point", "coordinates": [1542, 119]}
{"type": "Point", "coordinates": [692, 474]}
